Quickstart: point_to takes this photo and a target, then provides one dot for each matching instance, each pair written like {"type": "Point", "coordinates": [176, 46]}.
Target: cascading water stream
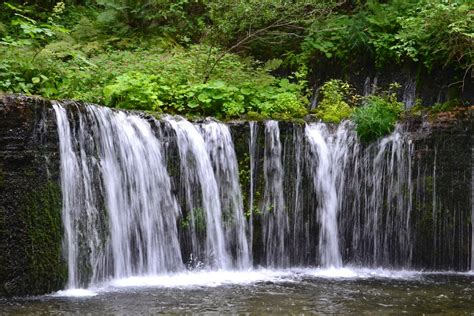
{"type": "Point", "coordinates": [299, 230]}
{"type": "Point", "coordinates": [197, 169]}
{"type": "Point", "coordinates": [252, 160]}
{"type": "Point", "coordinates": [70, 180]}
{"type": "Point", "coordinates": [221, 151]}
{"type": "Point", "coordinates": [134, 231]}
{"type": "Point", "coordinates": [275, 222]}
{"type": "Point", "coordinates": [141, 209]}
{"type": "Point", "coordinates": [377, 215]}
{"type": "Point", "coordinates": [327, 159]}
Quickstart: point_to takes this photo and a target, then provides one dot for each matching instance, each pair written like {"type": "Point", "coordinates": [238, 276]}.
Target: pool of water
{"type": "Point", "coordinates": [293, 291]}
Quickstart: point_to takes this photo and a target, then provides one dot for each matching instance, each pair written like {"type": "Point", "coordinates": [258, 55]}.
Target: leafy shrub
{"type": "Point", "coordinates": [333, 108]}
{"type": "Point", "coordinates": [136, 90]}
{"type": "Point", "coordinates": [173, 18]}
{"type": "Point", "coordinates": [30, 32]}
{"type": "Point", "coordinates": [437, 33]}
{"type": "Point", "coordinates": [289, 105]}
{"type": "Point", "coordinates": [377, 117]}
{"type": "Point", "coordinates": [133, 90]}
{"type": "Point", "coordinates": [150, 72]}
{"type": "Point", "coordinates": [434, 32]}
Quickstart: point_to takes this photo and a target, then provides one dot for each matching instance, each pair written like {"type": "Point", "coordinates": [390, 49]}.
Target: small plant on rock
{"type": "Point", "coordinates": [378, 115]}
{"type": "Point", "coordinates": [333, 107]}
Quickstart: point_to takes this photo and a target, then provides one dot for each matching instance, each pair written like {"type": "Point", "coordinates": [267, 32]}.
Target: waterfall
{"type": "Point", "coordinates": [197, 171]}
{"type": "Point", "coordinates": [133, 230]}
{"type": "Point", "coordinates": [220, 148]}
{"type": "Point", "coordinates": [433, 197]}
{"type": "Point", "coordinates": [70, 186]}
{"type": "Point", "coordinates": [409, 93]}
{"type": "Point", "coordinates": [142, 211]}
{"type": "Point", "coordinates": [394, 159]}
{"type": "Point", "coordinates": [144, 196]}
{"type": "Point", "coordinates": [293, 159]}
{"type": "Point", "coordinates": [328, 156]}
{"type": "Point", "coordinates": [275, 220]}
{"type": "Point", "coordinates": [252, 161]}
{"type": "Point", "coordinates": [382, 185]}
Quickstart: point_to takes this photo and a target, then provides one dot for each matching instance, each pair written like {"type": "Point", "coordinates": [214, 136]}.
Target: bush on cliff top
{"type": "Point", "coordinates": [377, 117]}
{"type": "Point", "coordinates": [333, 107]}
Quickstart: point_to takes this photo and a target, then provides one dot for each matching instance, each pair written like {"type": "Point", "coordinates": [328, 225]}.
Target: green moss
{"type": "Point", "coordinates": [254, 116]}
{"type": "Point", "coordinates": [298, 121]}
{"type": "Point", "coordinates": [45, 269]}
{"type": "Point", "coordinates": [155, 114]}
{"type": "Point", "coordinates": [244, 170]}
{"type": "Point", "coordinates": [196, 217]}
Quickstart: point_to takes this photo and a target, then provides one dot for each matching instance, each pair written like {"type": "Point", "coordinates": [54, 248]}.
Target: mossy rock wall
{"type": "Point", "coordinates": [31, 260]}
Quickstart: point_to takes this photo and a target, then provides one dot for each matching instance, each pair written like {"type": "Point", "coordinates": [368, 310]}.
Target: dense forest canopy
{"type": "Point", "coordinates": [226, 58]}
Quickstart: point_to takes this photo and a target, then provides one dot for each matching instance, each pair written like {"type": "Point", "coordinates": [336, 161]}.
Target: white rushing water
{"type": "Point", "coordinates": [142, 211]}
{"type": "Point", "coordinates": [328, 161]}
{"type": "Point", "coordinates": [253, 156]}
{"type": "Point", "coordinates": [389, 181]}
{"type": "Point", "coordinates": [119, 211]}
{"type": "Point", "coordinates": [275, 220]}
{"type": "Point", "coordinates": [134, 231]}
{"type": "Point", "coordinates": [197, 169]}
{"type": "Point", "coordinates": [199, 279]}
{"type": "Point", "coordinates": [220, 148]}
{"type": "Point", "coordinates": [70, 181]}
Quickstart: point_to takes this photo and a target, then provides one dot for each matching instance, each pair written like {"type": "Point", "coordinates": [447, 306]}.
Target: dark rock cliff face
{"type": "Point", "coordinates": [439, 85]}
{"type": "Point", "coordinates": [442, 202]}
{"type": "Point", "coordinates": [31, 259]}
{"type": "Point", "coordinates": [30, 199]}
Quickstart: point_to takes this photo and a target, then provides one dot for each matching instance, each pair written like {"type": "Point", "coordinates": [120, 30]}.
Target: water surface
{"type": "Point", "coordinates": [292, 291]}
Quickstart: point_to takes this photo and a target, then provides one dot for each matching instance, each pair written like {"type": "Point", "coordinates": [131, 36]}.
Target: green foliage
{"type": "Point", "coordinates": [445, 106]}
{"type": "Point", "coordinates": [262, 22]}
{"type": "Point", "coordinates": [435, 32]}
{"type": "Point", "coordinates": [196, 218]}
{"type": "Point", "coordinates": [158, 78]}
{"type": "Point", "coordinates": [377, 117]}
{"type": "Point", "coordinates": [170, 88]}
{"type": "Point", "coordinates": [175, 18]}
{"type": "Point", "coordinates": [30, 32]}
{"type": "Point", "coordinates": [197, 57]}
{"type": "Point", "coordinates": [333, 108]}
{"type": "Point", "coordinates": [133, 90]}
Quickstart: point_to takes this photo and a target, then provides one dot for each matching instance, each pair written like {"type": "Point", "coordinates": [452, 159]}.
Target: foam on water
{"type": "Point", "coordinates": [218, 278]}
{"type": "Point", "coordinates": [358, 273]}
{"type": "Point", "coordinates": [208, 278]}
{"type": "Point", "coordinates": [75, 293]}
